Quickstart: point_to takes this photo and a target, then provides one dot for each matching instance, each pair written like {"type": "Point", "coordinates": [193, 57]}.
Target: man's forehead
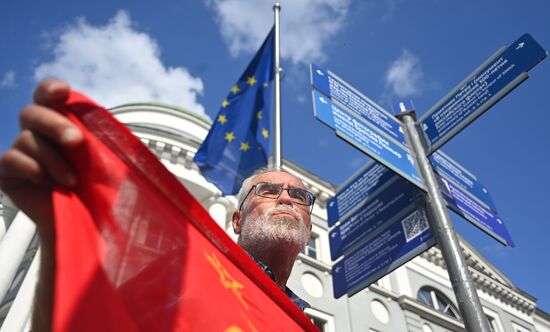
{"type": "Point", "coordinates": [279, 177]}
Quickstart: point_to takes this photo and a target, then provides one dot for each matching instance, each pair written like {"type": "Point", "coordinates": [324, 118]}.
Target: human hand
{"type": "Point", "coordinates": [34, 164]}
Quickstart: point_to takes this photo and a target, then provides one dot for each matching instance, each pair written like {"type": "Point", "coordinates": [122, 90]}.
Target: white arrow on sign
{"type": "Point", "coordinates": [320, 73]}
{"type": "Point", "coordinates": [323, 100]}
{"type": "Point", "coordinates": [520, 45]}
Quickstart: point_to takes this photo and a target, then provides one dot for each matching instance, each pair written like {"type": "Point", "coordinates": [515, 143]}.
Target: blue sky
{"type": "Point", "coordinates": [189, 53]}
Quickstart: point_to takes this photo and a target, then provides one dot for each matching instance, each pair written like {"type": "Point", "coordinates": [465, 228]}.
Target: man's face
{"type": "Point", "coordinates": [278, 220]}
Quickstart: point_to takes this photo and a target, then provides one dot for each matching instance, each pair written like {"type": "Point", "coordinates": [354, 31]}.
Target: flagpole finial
{"type": "Point", "coordinates": [277, 6]}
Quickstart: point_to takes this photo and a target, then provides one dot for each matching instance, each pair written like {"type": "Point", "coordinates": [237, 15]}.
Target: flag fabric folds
{"type": "Point", "coordinates": [239, 141]}
{"type": "Point", "coordinates": [136, 252]}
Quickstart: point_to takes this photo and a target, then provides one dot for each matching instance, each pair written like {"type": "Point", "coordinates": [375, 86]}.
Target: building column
{"type": "Point", "coordinates": [19, 316]}
{"type": "Point", "coordinates": [13, 247]}
{"type": "Point", "coordinates": [218, 212]}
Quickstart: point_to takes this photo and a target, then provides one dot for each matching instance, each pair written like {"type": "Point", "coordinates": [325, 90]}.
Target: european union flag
{"type": "Point", "coordinates": [239, 141]}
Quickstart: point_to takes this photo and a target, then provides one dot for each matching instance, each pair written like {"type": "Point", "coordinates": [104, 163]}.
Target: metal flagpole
{"type": "Point", "coordinates": [440, 223]}
{"type": "Point", "coordinates": [277, 91]}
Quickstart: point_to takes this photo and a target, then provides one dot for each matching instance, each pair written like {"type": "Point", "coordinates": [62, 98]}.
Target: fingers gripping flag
{"type": "Point", "coordinates": [239, 141]}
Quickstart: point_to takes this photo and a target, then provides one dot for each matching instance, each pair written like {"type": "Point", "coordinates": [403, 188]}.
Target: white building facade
{"type": "Point", "coordinates": [416, 297]}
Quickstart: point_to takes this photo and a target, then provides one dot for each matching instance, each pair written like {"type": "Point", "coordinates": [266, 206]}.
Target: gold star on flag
{"type": "Point", "coordinates": [225, 103]}
{"type": "Point", "coordinates": [265, 133]}
{"type": "Point", "coordinates": [229, 136]}
{"type": "Point", "coordinates": [259, 115]}
{"type": "Point", "coordinates": [235, 89]}
{"type": "Point", "coordinates": [251, 80]}
{"type": "Point", "coordinates": [222, 119]}
{"type": "Point", "coordinates": [245, 146]}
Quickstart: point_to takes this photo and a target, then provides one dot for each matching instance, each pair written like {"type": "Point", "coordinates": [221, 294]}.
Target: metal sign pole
{"type": "Point", "coordinates": [442, 228]}
{"type": "Point", "coordinates": [277, 159]}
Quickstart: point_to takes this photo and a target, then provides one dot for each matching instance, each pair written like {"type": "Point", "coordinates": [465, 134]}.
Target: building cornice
{"type": "Point", "coordinates": [160, 106]}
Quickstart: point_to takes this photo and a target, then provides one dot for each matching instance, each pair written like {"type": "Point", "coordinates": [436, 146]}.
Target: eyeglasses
{"type": "Point", "coordinates": [273, 190]}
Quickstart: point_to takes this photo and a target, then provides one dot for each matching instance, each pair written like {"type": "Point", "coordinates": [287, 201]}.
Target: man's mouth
{"type": "Point", "coordinates": [283, 212]}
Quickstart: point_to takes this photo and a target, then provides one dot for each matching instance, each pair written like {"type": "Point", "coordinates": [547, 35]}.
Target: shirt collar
{"type": "Point", "coordinates": [301, 303]}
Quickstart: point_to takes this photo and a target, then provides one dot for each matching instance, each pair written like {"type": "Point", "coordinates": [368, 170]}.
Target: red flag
{"type": "Point", "coordinates": [136, 252]}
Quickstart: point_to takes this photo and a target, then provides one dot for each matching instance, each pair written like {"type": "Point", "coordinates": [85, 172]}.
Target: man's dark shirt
{"type": "Point", "coordinates": [291, 295]}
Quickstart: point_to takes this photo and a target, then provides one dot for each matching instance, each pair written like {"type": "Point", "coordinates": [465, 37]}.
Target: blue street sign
{"type": "Point", "coordinates": [468, 197]}
{"type": "Point", "coordinates": [468, 182]}
{"type": "Point", "coordinates": [361, 135]}
{"type": "Point", "coordinates": [383, 207]}
{"type": "Point", "coordinates": [479, 91]}
{"type": "Point", "coordinates": [348, 97]}
{"type": "Point", "coordinates": [392, 247]}
{"type": "Point", "coordinates": [474, 212]}
{"type": "Point", "coordinates": [356, 190]}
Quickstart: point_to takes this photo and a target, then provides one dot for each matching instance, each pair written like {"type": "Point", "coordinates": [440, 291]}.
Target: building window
{"type": "Point", "coordinates": [323, 321]}
{"type": "Point", "coordinates": [494, 322]}
{"type": "Point", "coordinates": [312, 246]}
{"type": "Point", "coordinates": [519, 328]}
{"type": "Point", "coordinates": [435, 299]}
{"type": "Point", "coordinates": [321, 324]}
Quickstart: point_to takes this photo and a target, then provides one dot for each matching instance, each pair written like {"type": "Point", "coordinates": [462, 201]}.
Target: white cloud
{"type": "Point", "coordinates": [404, 76]}
{"type": "Point", "coordinates": [306, 25]}
{"type": "Point", "coordinates": [8, 81]}
{"type": "Point", "coordinates": [116, 64]}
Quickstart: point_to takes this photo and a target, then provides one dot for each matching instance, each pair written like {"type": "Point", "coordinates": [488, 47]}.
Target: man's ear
{"type": "Point", "coordinates": [236, 221]}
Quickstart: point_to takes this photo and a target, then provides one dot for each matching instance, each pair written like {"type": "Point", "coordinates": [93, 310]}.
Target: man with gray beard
{"type": "Point", "coordinates": [274, 223]}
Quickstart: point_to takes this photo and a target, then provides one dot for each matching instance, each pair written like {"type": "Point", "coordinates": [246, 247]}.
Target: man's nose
{"type": "Point", "coordinates": [284, 198]}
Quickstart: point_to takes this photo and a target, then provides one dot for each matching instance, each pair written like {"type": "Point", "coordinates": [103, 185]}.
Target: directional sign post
{"type": "Point", "coordinates": [344, 94]}
{"type": "Point", "coordinates": [362, 135]}
{"type": "Point", "coordinates": [452, 171]}
{"type": "Point", "coordinates": [375, 214]}
{"type": "Point", "coordinates": [383, 233]}
{"type": "Point", "coordinates": [466, 196]}
{"type": "Point", "coordinates": [464, 288]}
{"type": "Point", "coordinates": [368, 127]}
{"type": "Point", "coordinates": [482, 89]}
{"type": "Point", "coordinates": [381, 225]}
{"type": "Point", "coordinates": [356, 190]}
{"type": "Point", "coordinates": [473, 211]}
{"type": "Point", "coordinates": [405, 238]}
{"type": "Point", "coordinates": [396, 196]}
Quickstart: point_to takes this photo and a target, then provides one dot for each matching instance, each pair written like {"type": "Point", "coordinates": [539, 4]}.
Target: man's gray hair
{"type": "Point", "coordinates": [247, 183]}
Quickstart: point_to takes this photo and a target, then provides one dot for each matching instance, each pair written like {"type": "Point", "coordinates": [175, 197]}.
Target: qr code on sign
{"type": "Point", "coordinates": [414, 224]}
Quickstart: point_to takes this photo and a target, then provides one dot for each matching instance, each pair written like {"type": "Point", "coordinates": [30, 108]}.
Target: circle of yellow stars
{"type": "Point", "coordinates": [222, 118]}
